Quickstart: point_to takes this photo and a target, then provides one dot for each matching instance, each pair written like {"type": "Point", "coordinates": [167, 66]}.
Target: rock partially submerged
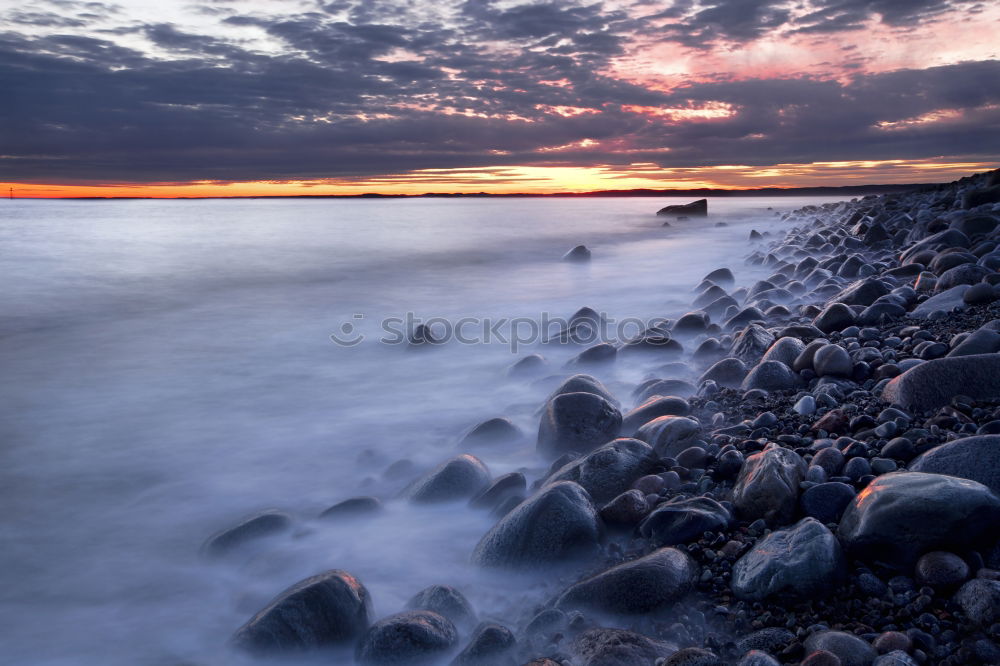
{"type": "Point", "coordinates": [697, 208]}
{"type": "Point", "coordinates": [332, 608]}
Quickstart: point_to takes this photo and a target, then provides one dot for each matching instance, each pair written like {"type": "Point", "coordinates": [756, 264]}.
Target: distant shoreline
{"type": "Point", "coordinates": [697, 193]}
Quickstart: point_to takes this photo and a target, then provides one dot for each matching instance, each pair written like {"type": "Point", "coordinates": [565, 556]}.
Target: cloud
{"type": "Point", "coordinates": [484, 85]}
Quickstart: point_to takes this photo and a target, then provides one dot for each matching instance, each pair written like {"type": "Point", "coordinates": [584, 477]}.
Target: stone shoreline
{"type": "Point", "coordinates": [827, 493]}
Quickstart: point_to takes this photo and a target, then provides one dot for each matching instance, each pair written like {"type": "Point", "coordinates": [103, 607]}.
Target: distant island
{"type": "Point", "coordinates": [699, 193]}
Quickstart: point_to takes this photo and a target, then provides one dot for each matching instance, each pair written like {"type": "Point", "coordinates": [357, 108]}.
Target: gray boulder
{"type": "Point", "coordinates": [751, 344]}
{"type": "Point", "coordinates": [491, 645]}
{"type": "Point", "coordinates": [729, 372]}
{"type": "Point", "coordinates": [258, 526]}
{"type": "Point", "coordinates": [834, 317]}
{"type": "Point", "coordinates": [976, 458]}
{"type": "Point", "coordinates": [640, 586]}
{"type": "Point", "coordinates": [946, 301]}
{"type": "Point", "coordinates": [832, 361]}
{"type": "Point", "coordinates": [902, 515]}
{"type": "Point", "coordinates": [796, 563]}
{"type": "Point", "coordinates": [410, 637]}
{"type": "Point", "coordinates": [862, 292]}
{"type": "Point", "coordinates": [577, 422]}
{"type": "Point", "coordinates": [851, 650]}
{"type": "Point", "coordinates": [770, 376]}
{"type": "Point", "coordinates": [785, 350]}
{"type": "Point", "coordinates": [933, 384]}
{"type": "Point", "coordinates": [491, 431]}
{"type": "Point", "coordinates": [683, 520]}
{"type": "Point", "coordinates": [669, 435]}
{"type": "Point", "coordinates": [617, 647]}
{"type": "Point", "coordinates": [967, 274]}
{"type": "Point", "coordinates": [658, 405]}
{"type": "Point", "coordinates": [768, 485]}
{"type": "Point", "coordinates": [447, 601]}
{"type": "Point", "coordinates": [609, 470]}
{"type": "Point", "coordinates": [979, 599]}
{"type": "Point", "coordinates": [558, 523]}
{"type": "Point", "coordinates": [332, 608]}
{"type": "Point", "coordinates": [458, 478]}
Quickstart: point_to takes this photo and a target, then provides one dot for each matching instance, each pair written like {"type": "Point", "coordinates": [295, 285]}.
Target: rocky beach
{"type": "Point", "coordinates": [810, 474]}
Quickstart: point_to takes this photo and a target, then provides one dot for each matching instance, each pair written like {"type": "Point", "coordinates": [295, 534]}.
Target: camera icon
{"type": "Point", "coordinates": [348, 335]}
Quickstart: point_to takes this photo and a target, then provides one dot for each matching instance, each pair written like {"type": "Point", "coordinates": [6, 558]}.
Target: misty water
{"type": "Point", "coordinates": [167, 369]}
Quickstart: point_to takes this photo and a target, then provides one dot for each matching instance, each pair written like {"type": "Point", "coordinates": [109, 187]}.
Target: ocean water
{"type": "Point", "coordinates": [168, 368]}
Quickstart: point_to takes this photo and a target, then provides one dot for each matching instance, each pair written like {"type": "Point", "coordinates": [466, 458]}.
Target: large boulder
{"type": "Point", "coordinates": [332, 608]}
{"type": "Point", "coordinates": [658, 405]}
{"type": "Point", "coordinates": [848, 648]}
{"type": "Point", "coordinates": [445, 600]}
{"type": "Point", "coordinates": [770, 376]}
{"type": "Point", "coordinates": [946, 301]}
{"type": "Point", "coordinates": [785, 350]}
{"type": "Point", "coordinates": [799, 562]}
{"type": "Point", "coordinates": [411, 637]}
{"type": "Point", "coordinates": [617, 647]}
{"type": "Point", "coordinates": [640, 586]}
{"type": "Point", "coordinates": [682, 520]}
{"type": "Point", "coordinates": [577, 422]}
{"type": "Point", "coordinates": [768, 485]}
{"type": "Point", "coordinates": [669, 435]}
{"type": "Point", "coordinates": [976, 458]}
{"type": "Point", "coordinates": [258, 526]}
{"type": "Point", "coordinates": [902, 515]}
{"type": "Point", "coordinates": [834, 317]}
{"type": "Point", "coordinates": [609, 470]}
{"type": "Point", "coordinates": [963, 274]}
{"type": "Point", "coordinates": [697, 208]}
{"type": "Point", "coordinates": [933, 384]}
{"type": "Point", "coordinates": [751, 344]}
{"type": "Point", "coordinates": [558, 523]}
{"type": "Point", "coordinates": [491, 431]}
{"type": "Point", "coordinates": [458, 478]}
{"type": "Point", "coordinates": [490, 645]}
{"type": "Point", "coordinates": [581, 383]}
{"type": "Point", "coordinates": [729, 372]}
{"type": "Point", "coordinates": [862, 292]}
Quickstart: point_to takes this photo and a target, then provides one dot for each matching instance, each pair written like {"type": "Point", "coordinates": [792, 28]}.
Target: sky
{"type": "Point", "coordinates": [255, 97]}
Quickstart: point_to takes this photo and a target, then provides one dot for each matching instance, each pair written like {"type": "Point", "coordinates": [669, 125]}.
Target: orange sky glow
{"type": "Point", "coordinates": [539, 180]}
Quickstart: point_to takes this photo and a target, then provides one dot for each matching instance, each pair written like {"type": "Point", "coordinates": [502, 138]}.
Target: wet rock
{"type": "Point", "coordinates": [410, 637]}
{"type": "Point", "coordinates": [862, 292]}
{"type": "Point", "coordinates": [529, 365]}
{"type": "Point", "coordinates": [751, 344]}
{"type": "Point", "coordinates": [768, 485]}
{"type": "Point", "coordinates": [584, 384]}
{"type": "Point", "coordinates": [627, 509]}
{"type": "Point", "coordinates": [976, 458]}
{"type": "Point", "coordinates": [258, 526]}
{"type": "Point", "coordinates": [492, 431]}
{"type": "Point", "coordinates": [617, 647]}
{"type": "Point", "coordinates": [968, 274]}
{"type": "Point", "coordinates": [826, 502]}
{"type": "Point", "coordinates": [580, 253]}
{"type": "Point", "coordinates": [447, 601]}
{"type": "Point", "coordinates": [459, 478]}
{"type": "Point", "coordinates": [503, 487]}
{"type": "Point", "coordinates": [832, 361]}
{"type": "Point", "coordinates": [770, 376]}
{"type": "Point", "coordinates": [669, 435]}
{"type": "Point", "coordinates": [609, 470]}
{"type": "Point", "coordinates": [785, 350]}
{"type": "Point", "coordinates": [697, 208]}
{"type": "Point", "coordinates": [851, 650]}
{"type": "Point", "coordinates": [491, 645]}
{"type": "Point", "coordinates": [729, 372]}
{"type": "Point", "coordinates": [332, 608]}
{"type": "Point", "coordinates": [979, 294]}
{"type": "Point", "coordinates": [770, 639]}
{"type": "Point", "coordinates": [834, 317]}
{"type": "Point", "coordinates": [664, 387]}
{"type": "Point", "coordinates": [941, 569]}
{"type": "Point", "coordinates": [577, 422]}
{"type": "Point", "coordinates": [931, 385]}
{"type": "Point", "coordinates": [797, 563]}
{"type": "Point", "coordinates": [652, 408]}
{"type": "Point", "coordinates": [979, 599]}
{"type": "Point", "coordinates": [945, 301]}
{"type": "Point", "coordinates": [901, 515]}
{"type": "Point", "coordinates": [639, 586]}
{"type": "Point", "coordinates": [602, 353]}
{"type": "Point", "coordinates": [684, 520]}
{"type": "Point", "coordinates": [354, 507]}
{"type": "Point", "coordinates": [693, 657]}
{"type": "Point", "coordinates": [557, 524]}
{"type": "Point", "coordinates": [721, 276]}
{"type": "Point", "coordinates": [894, 658]}
{"type": "Point", "coordinates": [757, 658]}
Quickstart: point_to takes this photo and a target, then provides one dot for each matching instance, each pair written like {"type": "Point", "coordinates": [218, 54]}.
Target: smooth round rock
{"type": "Point", "coordinates": [832, 361]}
{"type": "Point", "coordinates": [941, 569]}
{"type": "Point", "coordinates": [411, 637]}
{"type": "Point", "coordinates": [768, 485]}
{"type": "Point", "coordinates": [331, 608]}
{"type": "Point", "coordinates": [640, 586]}
{"type": "Point", "coordinates": [447, 601]}
{"type": "Point", "coordinates": [826, 502]}
{"type": "Point", "coordinates": [851, 650]}
{"type": "Point", "coordinates": [609, 470]}
{"type": "Point", "coordinates": [577, 422]}
{"type": "Point", "coordinates": [458, 478]}
{"type": "Point", "coordinates": [976, 458]}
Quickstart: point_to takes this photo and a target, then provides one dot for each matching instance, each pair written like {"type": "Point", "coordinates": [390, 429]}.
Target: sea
{"type": "Point", "coordinates": [168, 367]}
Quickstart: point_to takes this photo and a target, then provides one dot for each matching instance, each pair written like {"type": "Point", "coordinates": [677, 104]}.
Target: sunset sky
{"type": "Point", "coordinates": [247, 97]}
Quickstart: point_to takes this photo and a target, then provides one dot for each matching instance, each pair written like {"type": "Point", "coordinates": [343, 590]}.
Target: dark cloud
{"type": "Point", "coordinates": [344, 98]}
